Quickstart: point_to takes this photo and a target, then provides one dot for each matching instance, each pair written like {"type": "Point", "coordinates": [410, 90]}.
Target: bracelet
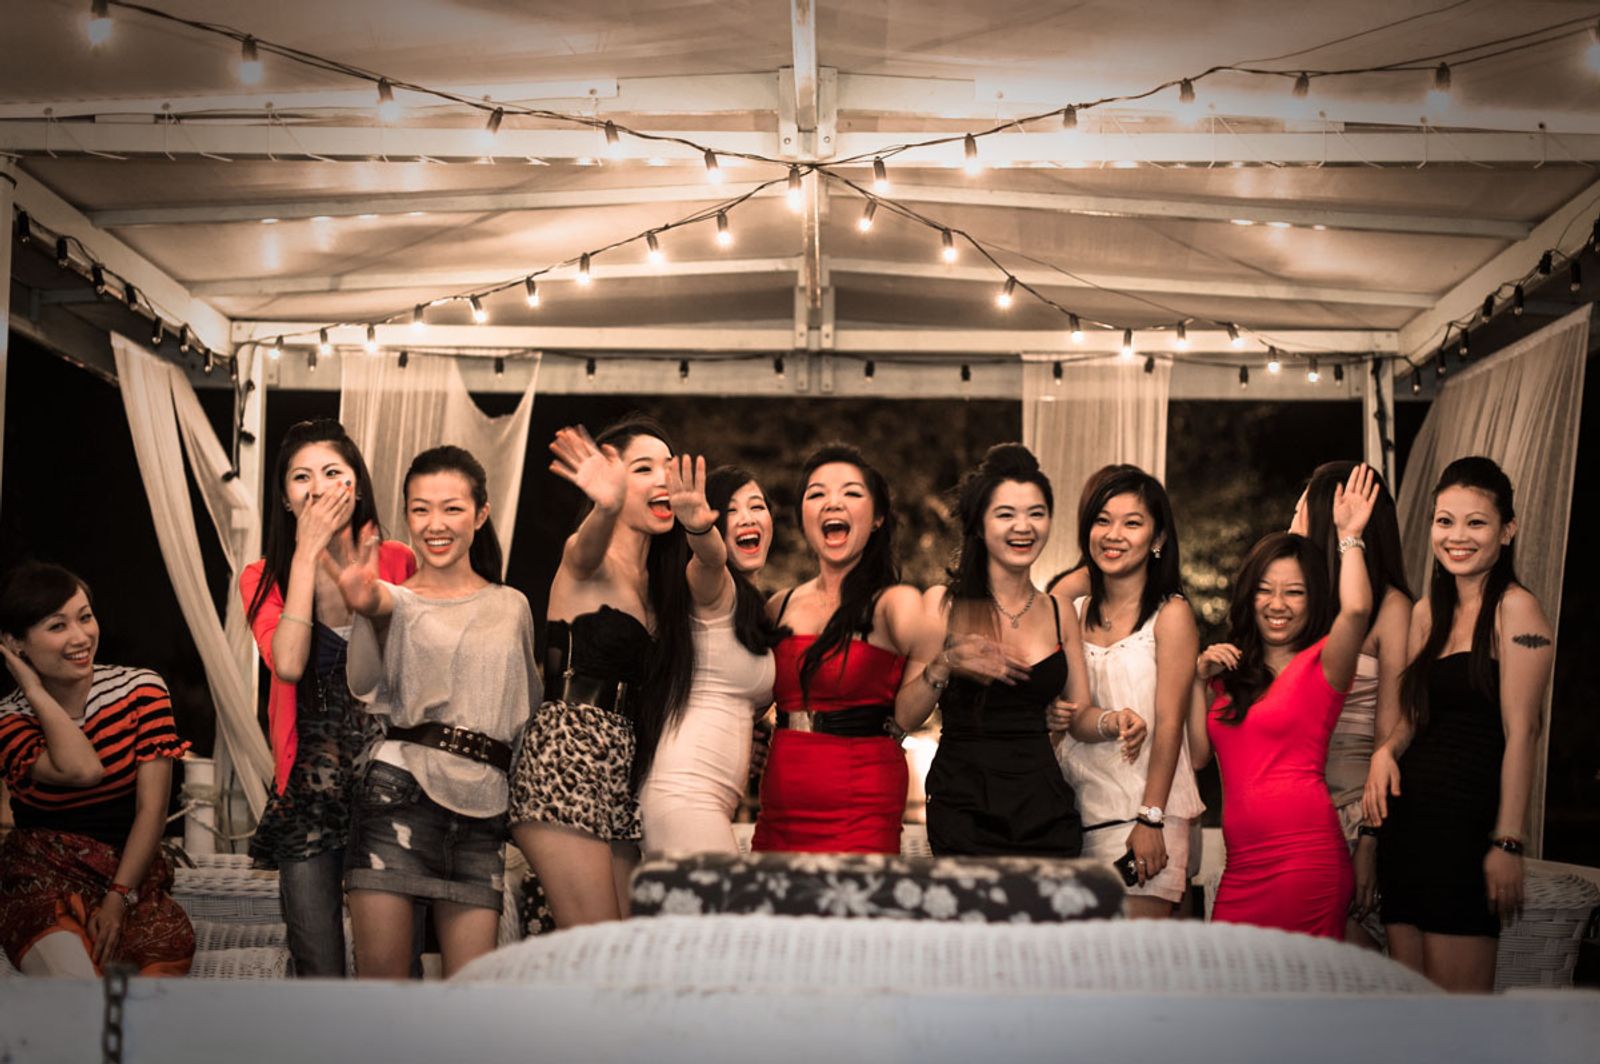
{"type": "Point", "coordinates": [1351, 543]}
{"type": "Point", "coordinates": [1100, 725]}
{"type": "Point", "coordinates": [119, 890]}
{"type": "Point", "coordinates": [697, 531]}
{"type": "Point", "coordinates": [1147, 822]}
{"type": "Point", "coordinates": [1367, 831]}
{"type": "Point", "coordinates": [1510, 844]}
{"type": "Point", "coordinates": [296, 619]}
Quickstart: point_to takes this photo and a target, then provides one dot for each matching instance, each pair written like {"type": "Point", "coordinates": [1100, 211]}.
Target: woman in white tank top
{"type": "Point", "coordinates": [702, 762]}
{"type": "Point", "coordinates": [1140, 642]}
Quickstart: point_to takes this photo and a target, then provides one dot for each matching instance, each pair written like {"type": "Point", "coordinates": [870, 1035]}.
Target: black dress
{"type": "Point", "coordinates": [1432, 846]}
{"type": "Point", "coordinates": [994, 787]}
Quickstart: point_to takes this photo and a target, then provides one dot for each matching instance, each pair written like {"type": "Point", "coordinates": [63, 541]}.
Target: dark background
{"type": "Point", "coordinates": [72, 494]}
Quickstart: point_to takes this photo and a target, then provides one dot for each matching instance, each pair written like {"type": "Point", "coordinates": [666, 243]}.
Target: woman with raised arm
{"type": "Point", "coordinates": [86, 751]}
{"type": "Point", "coordinates": [1450, 851]}
{"type": "Point", "coordinates": [1276, 691]}
{"type": "Point", "coordinates": [1140, 642]}
{"type": "Point", "coordinates": [301, 625]}
{"type": "Point", "coordinates": [835, 779]}
{"type": "Point", "coordinates": [702, 763]}
{"type": "Point", "coordinates": [446, 659]}
{"type": "Point", "coordinates": [994, 786]}
{"type": "Point", "coordinates": [619, 657]}
{"type": "Point", "coordinates": [1373, 705]}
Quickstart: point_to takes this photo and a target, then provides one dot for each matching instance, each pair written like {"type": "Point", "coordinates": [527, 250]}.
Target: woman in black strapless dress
{"type": "Point", "coordinates": [995, 786]}
{"type": "Point", "coordinates": [1450, 785]}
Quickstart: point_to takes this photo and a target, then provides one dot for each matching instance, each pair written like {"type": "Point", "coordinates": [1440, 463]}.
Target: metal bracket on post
{"type": "Point", "coordinates": [825, 325]}
{"type": "Point", "coordinates": [825, 384]}
{"type": "Point", "coordinates": [791, 143]}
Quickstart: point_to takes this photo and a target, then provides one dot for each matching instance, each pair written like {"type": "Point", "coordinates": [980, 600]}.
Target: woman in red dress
{"type": "Point", "coordinates": [835, 780]}
{"type": "Point", "coordinates": [1282, 685]}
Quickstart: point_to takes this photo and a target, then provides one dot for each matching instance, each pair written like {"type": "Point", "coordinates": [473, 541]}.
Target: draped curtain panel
{"type": "Point", "coordinates": [394, 414]}
{"type": "Point", "coordinates": [1097, 414]}
{"type": "Point", "coordinates": [1521, 407]}
{"type": "Point", "coordinates": [167, 422]}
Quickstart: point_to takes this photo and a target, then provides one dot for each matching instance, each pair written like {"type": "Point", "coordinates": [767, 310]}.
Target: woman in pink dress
{"type": "Point", "coordinates": [1276, 691]}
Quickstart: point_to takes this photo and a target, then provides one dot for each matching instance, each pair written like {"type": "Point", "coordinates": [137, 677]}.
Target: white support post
{"type": "Point", "coordinates": [1377, 411]}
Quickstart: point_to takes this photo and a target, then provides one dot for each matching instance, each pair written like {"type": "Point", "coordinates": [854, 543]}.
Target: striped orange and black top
{"type": "Point", "coordinates": [128, 718]}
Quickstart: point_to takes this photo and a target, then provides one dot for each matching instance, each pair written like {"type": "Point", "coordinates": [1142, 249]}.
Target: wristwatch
{"type": "Point", "coordinates": [1152, 815]}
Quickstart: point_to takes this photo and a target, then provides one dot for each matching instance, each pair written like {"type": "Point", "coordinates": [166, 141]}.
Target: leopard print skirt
{"type": "Point", "coordinates": [573, 769]}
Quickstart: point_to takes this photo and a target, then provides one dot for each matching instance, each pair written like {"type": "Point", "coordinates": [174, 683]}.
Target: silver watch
{"type": "Point", "coordinates": [1152, 813]}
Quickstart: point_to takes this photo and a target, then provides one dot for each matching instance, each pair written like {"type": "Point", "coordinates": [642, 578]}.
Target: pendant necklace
{"type": "Point", "coordinates": [1015, 618]}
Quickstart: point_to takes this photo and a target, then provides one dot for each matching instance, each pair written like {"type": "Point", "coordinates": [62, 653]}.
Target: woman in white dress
{"type": "Point", "coordinates": [1140, 643]}
{"type": "Point", "coordinates": [700, 767]}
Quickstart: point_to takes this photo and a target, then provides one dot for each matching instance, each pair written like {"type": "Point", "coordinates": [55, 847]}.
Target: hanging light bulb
{"type": "Point", "coordinates": [880, 177]}
{"type": "Point", "coordinates": [97, 279]}
{"type": "Point", "coordinates": [1313, 375]}
{"type": "Point", "coordinates": [724, 234]}
{"type": "Point", "coordinates": [1518, 300]}
{"type": "Point", "coordinates": [947, 245]}
{"type": "Point", "coordinates": [1416, 381]}
{"type": "Point", "coordinates": [311, 362]}
{"type": "Point", "coordinates": [1546, 263]}
{"type": "Point", "coordinates": [183, 339]}
{"type": "Point", "coordinates": [1150, 363]}
{"type": "Point", "coordinates": [1338, 373]}
{"type": "Point", "coordinates": [1127, 343]}
{"type": "Point", "coordinates": [479, 315]}
{"type": "Point", "coordinates": [777, 367]}
{"type": "Point", "coordinates": [590, 367]}
{"type": "Point", "coordinates": [530, 289]}
{"type": "Point", "coordinates": [63, 253]}
{"type": "Point", "coordinates": [1055, 373]}
{"type": "Point", "coordinates": [796, 194]}
{"type": "Point", "coordinates": [324, 345]}
{"type": "Point", "coordinates": [1488, 306]}
{"type": "Point", "coordinates": [250, 69]}
{"type": "Point", "coordinates": [24, 228]}
{"type": "Point", "coordinates": [418, 321]}
{"type": "Point", "coordinates": [372, 340]}
{"type": "Point", "coordinates": [870, 370]}
{"type": "Point", "coordinates": [1302, 86]}
{"type": "Point", "coordinates": [158, 333]}
{"type": "Point", "coordinates": [388, 106]}
{"type": "Point", "coordinates": [683, 369]}
{"type": "Point", "coordinates": [1466, 345]}
{"type": "Point", "coordinates": [99, 24]}
{"type": "Point", "coordinates": [1186, 91]}
{"type": "Point", "coordinates": [713, 171]}
{"type": "Point", "coordinates": [653, 250]}
{"type": "Point", "coordinates": [499, 366]}
{"type": "Point", "coordinates": [1188, 110]}
{"type": "Point", "coordinates": [864, 223]}
{"type": "Point", "coordinates": [613, 139]}
{"type": "Point", "coordinates": [1274, 363]}
{"type": "Point", "coordinates": [1181, 342]}
{"type": "Point", "coordinates": [404, 360]}
{"type": "Point", "coordinates": [1006, 296]}
{"type": "Point", "coordinates": [1244, 377]}
{"type": "Point", "coordinates": [1075, 330]}
{"type": "Point", "coordinates": [1574, 276]}
{"type": "Point", "coordinates": [1441, 365]}
{"type": "Point", "coordinates": [969, 150]}
{"type": "Point", "coordinates": [966, 373]}
{"type": "Point", "coordinates": [584, 275]}
{"type": "Point", "coordinates": [1234, 339]}
{"type": "Point", "coordinates": [1069, 118]}
{"type": "Point", "coordinates": [497, 116]}
{"type": "Point", "coordinates": [1439, 95]}
{"type": "Point", "coordinates": [275, 352]}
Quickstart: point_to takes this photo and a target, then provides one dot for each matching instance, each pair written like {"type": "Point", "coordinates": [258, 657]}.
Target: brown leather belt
{"type": "Point", "coordinates": [474, 746]}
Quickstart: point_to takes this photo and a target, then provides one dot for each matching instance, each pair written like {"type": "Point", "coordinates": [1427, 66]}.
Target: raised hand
{"type": "Point", "coordinates": [686, 491]}
{"type": "Point", "coordinates": [27, 679]}
{"type": "Point", "coordinates": [981, 658]}
{"type": "Point", "coordinates": [1353, 501]}
{"type": "Point", "coordinates": [323, 517]}
{"type": "Point", "coordinates": [354, 567]}
{"type": "Point", "coordinates": [598, 472]}
{"type": "Point", "coordinates": [1216, 659]}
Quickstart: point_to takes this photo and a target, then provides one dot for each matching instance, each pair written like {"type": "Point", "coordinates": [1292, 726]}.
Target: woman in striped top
{"type": "Point", "coordinates": [87, 751]}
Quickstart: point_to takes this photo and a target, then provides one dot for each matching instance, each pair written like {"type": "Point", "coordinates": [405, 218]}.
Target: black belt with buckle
{"type": "Point", "coordinates": [851, 722]}
{"type": "Point", "coordinates": [472, 745]}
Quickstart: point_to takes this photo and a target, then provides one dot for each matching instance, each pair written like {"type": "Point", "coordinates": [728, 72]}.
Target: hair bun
{"type": "Point", "coordinates": [1009, 461]}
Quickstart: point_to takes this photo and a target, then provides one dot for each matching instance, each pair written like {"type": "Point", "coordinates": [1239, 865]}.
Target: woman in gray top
{"type": "Point", "coordinates": [447, 659]}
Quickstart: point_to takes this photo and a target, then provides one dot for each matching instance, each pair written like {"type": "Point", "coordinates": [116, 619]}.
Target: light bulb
{"type": "Point", "coordinates": [492, 127]}
{"type": "Point", "coordinates": [969, 150]}
{"type": "Point", "coordinates": [864, 223]}
{"type": "Point", "coordinates": [372, 340]}
{"type": "Point", "coordinates": [590, 367]}
{"type": "Point", "coordinates": [324, 346]}
{"type": "Point", "coordinates": [947, 245]}
{"type": "Point", "coordinates": [1182, 340]}
{"type": "Point", "coordinates": [1055, 373]}
{"type": "Point", "coordinates": [1274, 364]}
{"type": "Point", "coordinates": [1069, 118]}
{"type": "Point", "coordinates": [275, 352]}
{"type": "Point", "coordinates": [418, 322]}
{"type": "Point", "coordinates": [1076, 328]}
{"type": "Point", "coordinates": [99, 25]}
{"type": "Point", "coordinates": [1439, 96]}
{"type": "Point", "coordinates": [613, 139]}
{"type": "Point", "coordinates": [1234, 338]}
{"type": "Point", "coordinates": [479, 315]}
{"type": "Point", "coordinates": [1302, 86]}
{"type": "Point", "coordinates": [653, 252]}
{"type": "Point", "coordinates": [880, 177]}
{"type": "Point", "coordinates": [724, 234]}
{"type": "Point", "coordinates": [713, 171]}
{"type": "Point", "coordinates": [1244, 377]}
{"type": "Point", "coordinates": [796, 194]}
{"type": "Point", "coordinates": [584, 276]}
{"type": "Point", "coordinates": [388, 106]}
{"type": "Point", "coordinates": [249, 62]}
{"type": "Point", "coordinates": [531, 287]}
{"type": "Point", "coordinates": [1313, 375]}
{"type": "Point", "coordinates": [1006, 297]}
{"type": "Point", "coordinates": [1127, 343]}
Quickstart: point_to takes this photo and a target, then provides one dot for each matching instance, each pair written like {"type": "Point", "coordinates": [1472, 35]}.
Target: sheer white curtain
{"type": "Point", "coordinates": [1098, 413]}
{"type": "Point", "coordinates": [162, 411]}
{"type": "Point", "coordinates": [1521, 407]}
{"type": "Point", "coordinates": [394, 414]}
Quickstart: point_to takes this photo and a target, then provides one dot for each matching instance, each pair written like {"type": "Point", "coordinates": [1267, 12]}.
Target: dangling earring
{"type": "Point", "coordinates": [1156, 551]}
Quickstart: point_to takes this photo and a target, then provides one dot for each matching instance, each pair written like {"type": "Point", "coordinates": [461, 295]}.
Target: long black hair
{"type": "Point", "coordinates": [34, 591]}
{"type": "Point", "coordinates": [751, 625]}
{"type": "Point", "coordinates": [1163, 575]}
{"type": "Point", "coordinates": [671, 665]}
{"type": "Point", "coordinates": [969, 569]}
{"type": "Point", "coordinates": [484, 555]}
{"type": "Point", "coordinates": [874, 571]}
{"type": "Point", "coordinates": [1481, 474]}
{"type": "Point", "coordinates": [281, 521]}
{"type": "Point", "coordinates": [1251, 679]}
{"type": "Point", "coordinates": [1384, 558]}
{"type": "Point", "coordinates": [1089, 486]}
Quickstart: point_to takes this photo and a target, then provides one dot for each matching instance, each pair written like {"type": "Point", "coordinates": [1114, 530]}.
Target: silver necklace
{"type": "Point", "coordinates": [1015, 618]}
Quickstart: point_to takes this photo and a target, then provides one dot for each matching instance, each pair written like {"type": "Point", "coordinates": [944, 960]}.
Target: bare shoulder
{"type": "Point", "coordinates": [1175, 620]}
{"type": "Point", "coordinates": [898, 599]}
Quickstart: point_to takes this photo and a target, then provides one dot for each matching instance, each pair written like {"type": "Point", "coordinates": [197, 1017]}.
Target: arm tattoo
{"type": "Point", "coordinates": [1531, 640]}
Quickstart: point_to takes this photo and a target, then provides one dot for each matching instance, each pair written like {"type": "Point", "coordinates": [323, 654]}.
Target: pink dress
{"type": "Point", "coordinates": [1287, 865]}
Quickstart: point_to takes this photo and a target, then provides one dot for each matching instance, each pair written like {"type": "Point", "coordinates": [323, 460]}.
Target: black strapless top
{"type": "Point", "coordinates": [973, 710]}
{"type": "Point", "coordinates": [607, 644]}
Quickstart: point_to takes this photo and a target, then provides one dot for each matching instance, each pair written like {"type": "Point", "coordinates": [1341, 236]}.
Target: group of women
{"type": "Point", "coordinates": [413, 730]}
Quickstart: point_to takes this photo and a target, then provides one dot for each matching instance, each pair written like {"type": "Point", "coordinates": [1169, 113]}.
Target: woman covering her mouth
{"type": "Point", "coordinates": [702, 762]}
{"type": "Point", "coordinates": [1274, 695]}
{"type": "Point", "coordinates": [619, 657]}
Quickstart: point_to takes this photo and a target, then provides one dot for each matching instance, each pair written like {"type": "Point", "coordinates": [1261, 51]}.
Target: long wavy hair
{"type": "Point", "coordinates": [484, 555]}
{"type": "Point", "coordinates": [874, 571]}
{"type": "Point", "coordinates": [1481, 474]}
{"type": "Point", "coordinates": [1163, 575]}
{"type": "Point", "coordinates": [968, 573]}
{"type": "Point", "coordinates": [1384, 558]}
{"type": "Point", "coordinates": [1251, 679]}
{"type": "Point", "coordinates": [671, 664]}
{"type": "Point", "coordinates": [751, 626]}
{"type": "Point", "coordinates": [281, 522]}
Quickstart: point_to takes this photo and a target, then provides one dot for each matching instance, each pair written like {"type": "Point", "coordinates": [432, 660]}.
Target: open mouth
{"type": "Point", "coordinates": [748, 542]}
{"type": "Point", "coordinates": [439, 544]}
{"type": "Point", "coordinates": [835, 531]}
{"type": "Point", "coordinates": [1021, 544]}
{"type": "Point", "coordinates": [1112, 554]}
{"type": "Point", "coordinates": [1459, 554]}
{"type": "Point", "coordinates": [1276, 624]}
{"type": "Point", "coordinates": [661, 507]}
{"type": "Point", "coordinates": [79, 657]}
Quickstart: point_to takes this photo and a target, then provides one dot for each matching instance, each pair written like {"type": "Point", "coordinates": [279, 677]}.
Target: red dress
{"type": "Point", "coordinates": [832, 793]}
{"type": "Point", "coordinates": [1287, 865]}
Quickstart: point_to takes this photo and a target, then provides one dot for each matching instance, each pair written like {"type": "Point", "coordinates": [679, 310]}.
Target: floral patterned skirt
{"type": "Point", "coordinates": [312, 815]}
